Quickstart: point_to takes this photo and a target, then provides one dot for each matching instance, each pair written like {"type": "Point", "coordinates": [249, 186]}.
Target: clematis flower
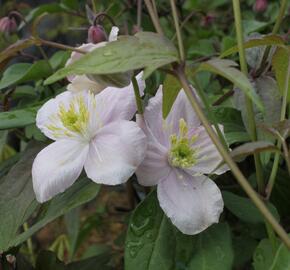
{"type": "Point", "coordinates": [179, 156]}
{"type": "Point", "coordinates": [83, 82]}
{"type": "Point", "coordinates": [90, 132]}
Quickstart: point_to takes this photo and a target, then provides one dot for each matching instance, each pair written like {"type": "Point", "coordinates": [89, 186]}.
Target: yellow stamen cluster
{"type": "Point", "coordinates": [181, 153]}
{"type": "Point", "coordinates": [76, 117]}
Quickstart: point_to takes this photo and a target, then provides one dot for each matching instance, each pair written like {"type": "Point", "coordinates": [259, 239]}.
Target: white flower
{"type": "Point", "coordinates": [179, 154]}
{"type": "Point", "coordinates": [79, 83]}
{"type": "Point", "coordinates": [90, 132]}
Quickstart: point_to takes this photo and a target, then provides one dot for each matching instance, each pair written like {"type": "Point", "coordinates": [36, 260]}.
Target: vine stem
{"type": "Point", "coordinates": [154, 17]}
{"type": "Point", "coordinates": [178, 32]}
{"type": "Point", "coordinates": [29, 244]}
{"type": "Point", "coordinates": [249, 104]}
{"type": "Point", "coordinates": [232, 165]}
{"type": "Point", "coordinates": [274, 170]}
{"type": "Point", "coordinates": [137, 95]}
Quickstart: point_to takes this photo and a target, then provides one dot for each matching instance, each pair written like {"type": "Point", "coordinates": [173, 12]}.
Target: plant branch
{"type": "Point", "coordinates": [249, 104]}
{"type": "Point", "coordinates": [154, 17]}
{"type": "Point", "coordinates": [178, 32]}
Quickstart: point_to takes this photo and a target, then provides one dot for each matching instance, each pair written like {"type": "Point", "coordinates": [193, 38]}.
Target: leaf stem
{"type": "Point", "coordinates": [249, 104]}
{"type": "Point", "coordinates": [279, 19]}
{"type": "Point", "coordinates": [274, 170]}
{"type": "Point", "coordinates": [210, 113]}
{"type": "Point", "coordinates": [154, 17]}
{"type": "Point", "coordinates": [232, 165]}
{"type": "Point", "coordinates": [178, 32]}
{"type": "Point", "coordinates": [29, 244]}
{"type": "Point", "coordinates": [137, 95]}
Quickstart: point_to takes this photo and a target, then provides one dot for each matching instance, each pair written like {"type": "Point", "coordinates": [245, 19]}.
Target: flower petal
{"type": "Point", "coordinates": [83, 83]}
{"type": "Point", "coordinates": [115, 104]}
{"type": "Point", "coordinates": [155, 166]}
{"type": "Point", "coordinates": [45, 115]}
{"type": "Point", "coordinates": [113, 34]}
{"type": "Point", "coordinates": [115, 153]}
{"type": "Point", "coordinates": [57, 167]}
{"type": "Point", "coordinates": [192, 203]}
{"type": "Point", "coordinates": [162, 129]}
{"type": "Point", "coordinates": [207, 154]}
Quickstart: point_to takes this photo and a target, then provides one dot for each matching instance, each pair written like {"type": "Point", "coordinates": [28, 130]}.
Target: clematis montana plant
{"type": "Point", "coordinates": [90, 132]}
{"type": "Point", "coordinates": [179, 156]}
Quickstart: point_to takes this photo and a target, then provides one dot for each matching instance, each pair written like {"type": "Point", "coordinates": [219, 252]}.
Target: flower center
{"type": "Point", "coordinates": [76, 117]}
{"type": "Point", "coordinates": [181, 152]}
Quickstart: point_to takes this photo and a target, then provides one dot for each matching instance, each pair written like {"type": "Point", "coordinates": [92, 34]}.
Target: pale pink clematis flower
{"type": "Point", "coordinates": [179, 155]}
{"type": "Point", "coordinates": [91, 132]}
{"type": "Point", "coordinates": [79, 83]}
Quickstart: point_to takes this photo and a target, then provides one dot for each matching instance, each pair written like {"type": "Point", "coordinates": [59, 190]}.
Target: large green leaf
{"type": "Point", "coordinates": [282, 259]}
{"type": "Point", "coordinates": [226, 68]}
{"type": "Point", "coordinates": [281, 67]}
{"type": "Point", "coordinates": [17, 200]}
{"type": "Point", "coordinates": [263, 255]}
{"type": "Point", "coordinates": [256, 42]}
{"type": "Point", "coordinates": [171, 88]}
{"type": "Point", "coordinates": [154, 241]}
{"type": "Point", "coordinates": [81, 192]}
{"type": "Point", "coordinates": [18, 118]}
{"type": "Point", "coordinates": [23, 72]}
{"type": "Point", "coordinates": [144, 50]}
{"type": "Point", "coordinates": [244, 209]}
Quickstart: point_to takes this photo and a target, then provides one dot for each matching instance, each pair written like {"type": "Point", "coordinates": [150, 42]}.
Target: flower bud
{"type": "Point", "coordinates": [207, 20]}
{"type": "Point", "coordinates": [8, 25]}
{"type": "Point", "coordinates": [260, 5]}
{"type": "Point", "coordinates": [136, 29]}
{"type": "Point", "coordinates": [97, 34]}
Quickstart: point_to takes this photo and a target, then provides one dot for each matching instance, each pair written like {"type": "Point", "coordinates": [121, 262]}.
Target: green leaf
{"type": "Point", "coordinates": [251, 148]}
{"type": "Point", "coordinates": [17, 200]}
{"type": "Point", "coordinates": [226, 68]}
{"type": "Point", "coordinates": [213, 249]}
{"type": "Point", "coordinates": [23, 72]}
{"type": "Point", "coordinates": [263, 255]}
{"type": "Point", "coordinates": [127, 53]}
{"type": "Point", "coordinates": [154, 241]}
{"type": "Point", "coordinates": [84, 190]}
{"type": "Point", "coordinates": [282, 259]}
{"type": "Point", "coordinates": [18, 118]}
{"type": "Point", "coordinates": [59, 59]}
{"type": "Point", "coordinates": [244, 209]}
{"type": "Point", "coordinates": [171, 88]}
{"type": "Point", "coordinates": [237, 137]}
{"type": "Point", "coordinates": [263, 41]}
{"type": "Point", "coordinates": [281, 67]}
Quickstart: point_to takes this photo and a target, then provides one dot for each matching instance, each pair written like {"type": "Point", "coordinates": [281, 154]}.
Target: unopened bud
{"type": "Point", "coordinates": [136, 29]}
{"type": "Point", "coordinates": [97, 34]}
{"type": "Point", "coordinates": [260, 5]}
{"type": "Point", "coordinates": [8, 25]}
{"type": "Point", "coordinates": [207, 20]}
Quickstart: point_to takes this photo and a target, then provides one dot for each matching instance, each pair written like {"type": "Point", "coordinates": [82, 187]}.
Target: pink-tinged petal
{"type": "Point", "coordinates": [154, 121]}
{"type": "Point", "coordinates": [181, 109]}
{"type": "Point", "coordinates": [114, 34]}
{"type": "Point", "coordinates": [88, 47]}
{"type": "Point", "coordinates": [207, 154]}
{"type": "Point", "coordinates": [115, 104]}
{"type": "Point", "coordinates": [115, 153]}
{"type": "Point", "coordinates": [83, 83]}
{"type": "Point", "coordinates": [162, 129]}
{"type": "Point", "coordinates": [155, 166]}
{"type": "Point", "coordinates": [57, 167]}
{"type": "Point", "coordinates": [191, 203]}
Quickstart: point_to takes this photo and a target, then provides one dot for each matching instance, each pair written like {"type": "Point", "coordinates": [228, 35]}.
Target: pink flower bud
{"type": "Point", "coordinates": [260, 5]}
{"type": "Point", "coordinates": [207, 20]}
{"type": "Point", "coordinates": [135, 29]}
{"type": "Point", "coordinates": [8, 25]}
{"type": "Point", "coordinates": [97, 34]}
